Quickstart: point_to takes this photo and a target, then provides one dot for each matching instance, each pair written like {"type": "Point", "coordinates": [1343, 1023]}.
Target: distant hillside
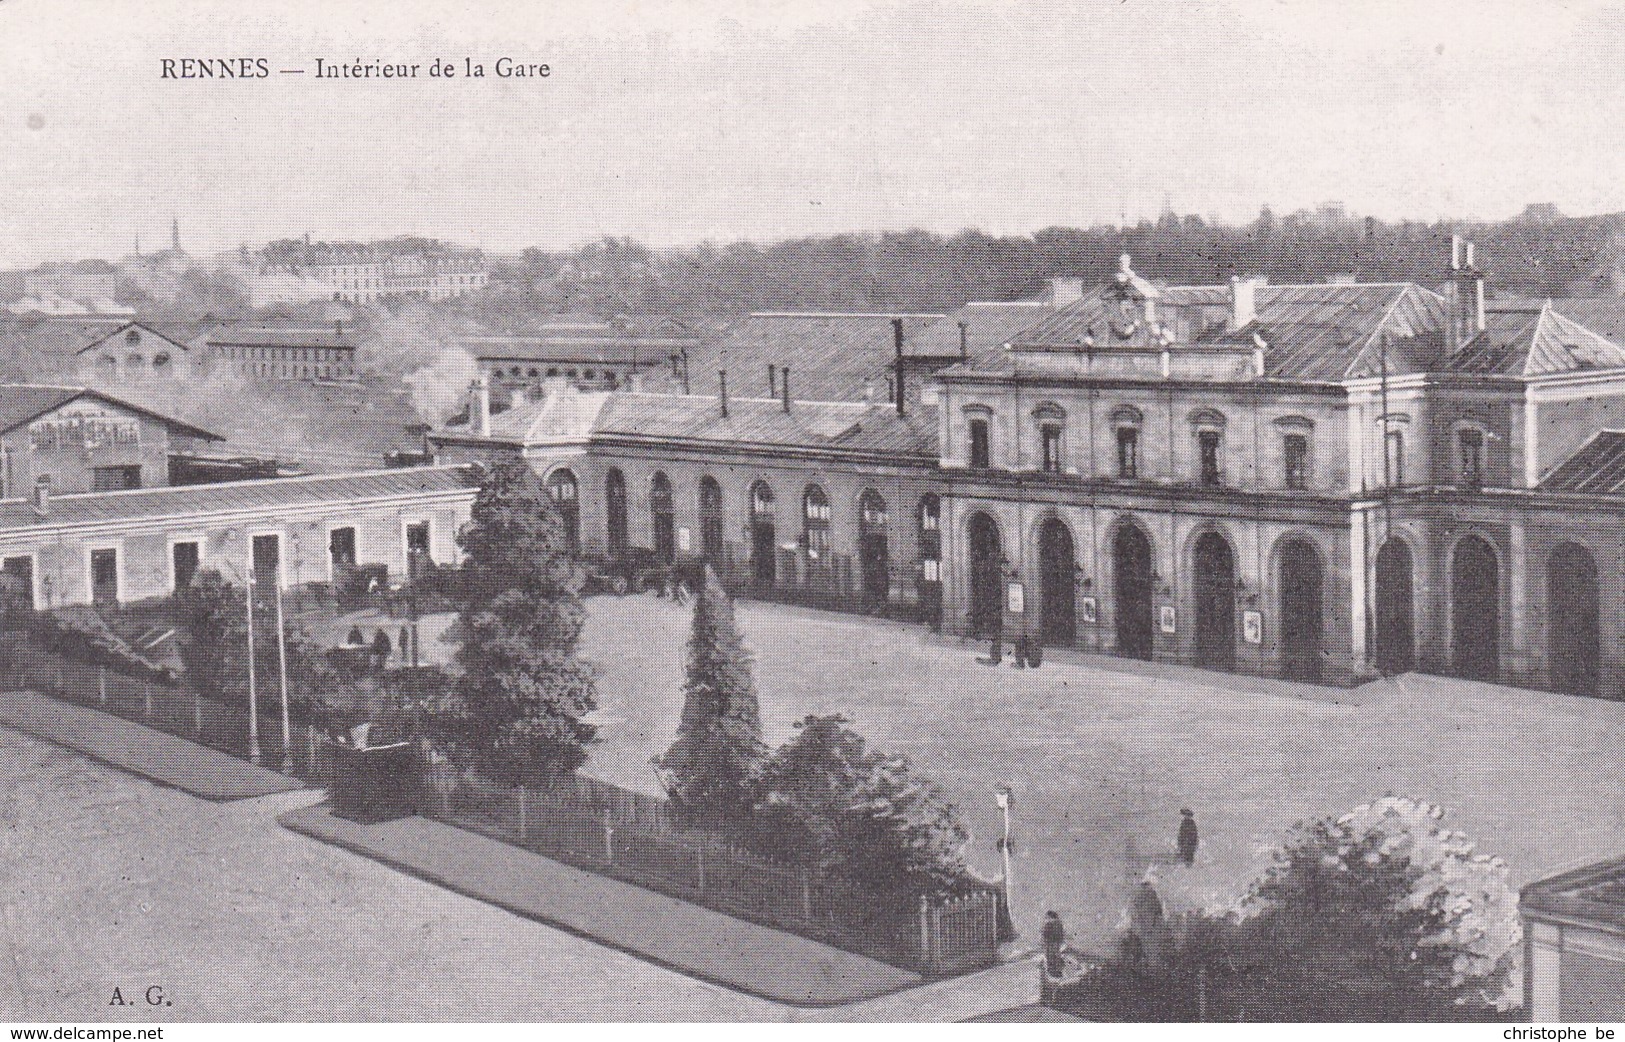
{"type": "Point", "coordinates": [922, 271]}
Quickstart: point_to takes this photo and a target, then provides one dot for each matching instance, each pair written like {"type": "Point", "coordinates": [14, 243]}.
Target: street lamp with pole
{"type": "Point", "coordinates": [253, 696]}
{"type": "Point", "coordinates": [1002, 795]}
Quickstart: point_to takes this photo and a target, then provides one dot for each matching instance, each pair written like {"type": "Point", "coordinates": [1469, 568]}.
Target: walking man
{"type": "Point", "coordinates": [1054, 942]}
{"type": "Point", "coordinates": [1188, 840]}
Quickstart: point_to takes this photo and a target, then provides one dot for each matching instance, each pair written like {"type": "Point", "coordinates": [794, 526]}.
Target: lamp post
{"type": "Point", "coordinates": [282, 676]}
{"type": "Point", "coordinates": [1002, 795]}
{"type": "Point", "coordinates": [253, 695]}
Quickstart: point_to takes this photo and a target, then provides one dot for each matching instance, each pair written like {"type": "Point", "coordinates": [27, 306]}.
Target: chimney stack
{"type": "Point", "coordinates": [479, 413]}
{"type": "Point", "coordinates": [42, 495]}
{"type": "Point", "coordinates": [784, 386]}
{"type": "Point", "coordinates": [1243, 302]}
{"type": "Point", "coordinates": [897, 346]}
{"type": "Point", "coordinates": [722, 391]}
{"type": "Point", "coordinates": [964, 341]}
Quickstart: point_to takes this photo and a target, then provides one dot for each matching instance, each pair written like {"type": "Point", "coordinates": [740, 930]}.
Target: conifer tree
{"type": "Point", "coordinates": [516, 710]}
{"type": "Point", "coordinates": [708, 769]}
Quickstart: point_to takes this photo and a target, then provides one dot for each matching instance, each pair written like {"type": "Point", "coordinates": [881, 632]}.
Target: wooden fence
{"type": "Point", "coordinates": [180, 711]}
{"type": "Point", "coordinates": [630, 835]}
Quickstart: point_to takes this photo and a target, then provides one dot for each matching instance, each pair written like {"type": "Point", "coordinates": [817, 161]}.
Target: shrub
{"type": "Point", "coordinates": [1381, 914]}
{"type": "Point", "coordinates": [708, 770]}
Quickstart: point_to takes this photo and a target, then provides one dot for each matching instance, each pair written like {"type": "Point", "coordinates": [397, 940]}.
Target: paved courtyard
{"type": "Point", "coordinates": [110, 881]}
{"type": "Point", "coordinates": [1103, 754]}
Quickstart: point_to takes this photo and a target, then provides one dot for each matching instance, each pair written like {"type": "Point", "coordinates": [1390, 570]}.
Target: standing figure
{"type": "Point", "coordinates": [1054, 942]}
{"type": "Point", "coordinates": [1188, 840]}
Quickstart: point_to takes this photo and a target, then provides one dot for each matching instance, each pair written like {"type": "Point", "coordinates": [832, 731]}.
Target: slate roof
{"type": "Point", "coordinates": [264, 495]}
{"type": "Point", "coordinates": [988, 327]}
{"type": "Point", "coordinates": [1534, 342]}
{"type": "Point", "coordinates": [233, 335]}
{"type": "Point", "coordinates": [1594, 895]}
{"type": "Point", "coordinates": [1598, 467]}
{"type": "Point", "coordinates": [337, 426]}
{"type": "Point", "coordinates": [20, 403]}
{"type": "Point", "coordinates": [850, 426]}
{"type": "Point", "coordinates": [177, 335]}
{"type": "Point", "coordinates": [580, 346]}
{"type": "Point", "coordinates": [1314, 333]}
{"type": "Point", "coordinates": [831, 355]}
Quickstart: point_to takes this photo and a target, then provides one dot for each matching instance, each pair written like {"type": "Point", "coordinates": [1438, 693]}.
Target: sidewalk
{"type": "Point", "coordinates": [154, 755]}
{"type": "Point", "coordinates": [685, 937]}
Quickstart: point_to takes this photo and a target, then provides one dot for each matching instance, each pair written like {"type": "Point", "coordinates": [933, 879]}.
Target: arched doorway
{"type": "Point", "coordinates": [1475, 610]}
{"type": "Point", "coordinates": [615, 510]}
{"type": "Point", "coordinates": [1215, 619]}
{"type": "Point", "coordinates": [1396, 628]}
{"type": "Point", "coordinates": [563, 490]}
{"type": "Point", "coordinates": [1056, 568]}
{"type": "Point", "coordinates": [1131, 591]}
{"type": "Point", "coordinates": [986, 604]}
{"type": "Point", "coordinates": [663, 517]}
{"type": "Point", "coordinates": [1302, 610]}
{"type": "Point", "coordinates": [763, 540]}
{"type": "Point", "coordinates": [872, 555]}
{"type": "Point", "coordinates": [711, 519]}
{"type": "Point", "coordinates": [1572, 620]}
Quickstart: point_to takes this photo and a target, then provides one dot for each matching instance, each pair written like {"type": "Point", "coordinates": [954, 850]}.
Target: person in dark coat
{"type": "Point", "coordinates": [1147, 921]}
{"type": "Point", "coordinates": [1054, 941]}
{"type": "Point", "coordinates": [1188, 840]}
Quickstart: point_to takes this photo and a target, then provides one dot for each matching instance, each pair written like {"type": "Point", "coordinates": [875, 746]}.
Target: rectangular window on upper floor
{"type": "Point", "coordinates": [1395, 460]}
{"type": "Point", "coordinates": [1295, 459]}
{"type": "Point", "coordinates": [1470, 445]}
{"type": "Point", "coordinates": [981, 447]}
{"type": "Point", "coordinates": [1050, 435]}
{"type": "Point", "coordinates": [1128, 452]}
{"type": "Point", "coordinates": [1207, 445]}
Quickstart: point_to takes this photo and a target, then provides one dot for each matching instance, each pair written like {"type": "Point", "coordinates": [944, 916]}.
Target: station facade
{"type": "Point", "coordinates": [1319, 482]}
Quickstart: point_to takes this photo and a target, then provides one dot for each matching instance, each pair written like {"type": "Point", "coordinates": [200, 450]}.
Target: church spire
{"type": "Point", "coordinates": [175, 234]}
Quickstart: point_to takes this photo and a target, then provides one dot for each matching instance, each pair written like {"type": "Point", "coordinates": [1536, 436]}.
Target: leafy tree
{"type": "Point", "coordinates": [828, 801]}
{"type": "Point", "coordinates": [1381, 914]}
{"type": "Point", "coordinates": [213, 637]}
{"type": "Point", "coordinates": [516, 710]}
{"type": "Point", "coordinates": [708, 770]}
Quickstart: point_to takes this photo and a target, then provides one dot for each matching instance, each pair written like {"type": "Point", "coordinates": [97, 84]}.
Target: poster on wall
{"type": "Point", "coordinates": [1252, 627]}
{"type": "Point", "coordinates": [1090, 610]}
{"type": "Point", "coordinates": [1015, 598]}
{"type": "Point", "coordinates": [1169, 620]}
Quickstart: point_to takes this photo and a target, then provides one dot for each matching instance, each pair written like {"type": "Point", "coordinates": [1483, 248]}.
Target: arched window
{"type": "Point", "coordinates": [711, 519]}
{"type": "Point", "coordinates": [873, 552]}
{"type": "Point", "coordinates": [161, 363]}
{"type": "Point", "coordinates": [663, 517]}
{"type": "Point", "coordinates": [763, 545]}
{"type": "Point", "coordinates": [815, 522]}
{"type": "Point", "coordinates": [615, 510]}
{"type": "Point", "coordinates": [562, 488]}
{"type": "Point", "coordinates": [1471, 443]}
{"type": "Point", "coordinates": [133, 337]}
{"type": "Point", "coordinates": [134, 362]}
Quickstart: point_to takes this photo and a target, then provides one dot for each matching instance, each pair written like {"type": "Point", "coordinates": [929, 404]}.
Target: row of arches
{"type": "Point", "coordinates": [1133, 589]}
{"type": "Point", "coordinates": [762, 535]}
{"type": "Point", "coordinates": [1573, 616]}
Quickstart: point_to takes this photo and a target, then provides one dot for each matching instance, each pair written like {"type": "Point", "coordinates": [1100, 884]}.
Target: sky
{"type": "Point", "coordinates": [677, 123]}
